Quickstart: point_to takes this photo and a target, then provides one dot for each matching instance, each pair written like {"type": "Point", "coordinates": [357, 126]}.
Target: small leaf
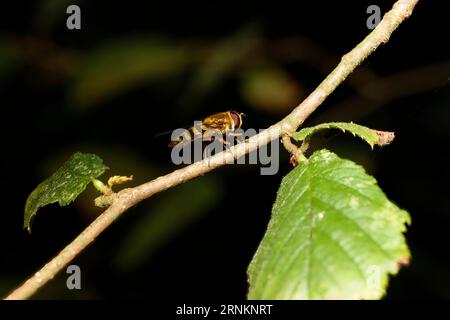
{"type": "Point", "coordinates": [333, 235]}
{"type": "Point", "coordinates": [371, 136]}
{"type": "Point", "coordinates": [119, 180]}
{"type": "Point", "coordinates": [65, 184]}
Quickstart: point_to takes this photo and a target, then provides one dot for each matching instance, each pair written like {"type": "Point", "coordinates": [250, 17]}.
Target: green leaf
{"type": "Point", "coordinates": [371, 136]}
{"type": "Point", "coordinates": [65, 184]}
{"type": "Point", "coordinates": [333, 235]}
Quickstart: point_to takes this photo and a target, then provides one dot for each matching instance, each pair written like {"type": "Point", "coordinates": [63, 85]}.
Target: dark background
{"type": "Point", "coordinates": [137, 68]}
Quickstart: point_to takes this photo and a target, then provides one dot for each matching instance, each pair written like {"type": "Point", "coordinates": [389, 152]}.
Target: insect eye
{"type": "Point", "coordinates": [236, 119]}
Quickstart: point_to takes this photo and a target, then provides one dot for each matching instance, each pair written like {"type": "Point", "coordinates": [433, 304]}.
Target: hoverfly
{"type": "Point", "coordinates": [221, 122]}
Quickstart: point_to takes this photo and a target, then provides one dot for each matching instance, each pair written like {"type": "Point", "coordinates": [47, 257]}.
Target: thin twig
{"type": "Point", "coordinates": [129, 197]}
{"type": "Point", "coordinates": [377, 93]}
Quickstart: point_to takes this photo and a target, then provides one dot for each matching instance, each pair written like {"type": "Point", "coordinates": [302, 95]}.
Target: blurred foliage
{"type": "Point", "coordinates": [111, 69]}
{"type": "Point", "coordinates": [271, 89]}
{"type": "Point", "coordinates": [65, 184]}
{"type": "Point", "coordinates": [219, 62]}
{"type": "Point", "coordinates": [48, 13]}
{"type": "Point", "coordinates": [10, 58]}
{"type": "Point", "coordinates": [173, 212]}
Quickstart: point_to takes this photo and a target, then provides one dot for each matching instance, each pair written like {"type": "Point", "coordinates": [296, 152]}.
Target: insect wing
{"type": "Point", "coordinates": [219, 121]}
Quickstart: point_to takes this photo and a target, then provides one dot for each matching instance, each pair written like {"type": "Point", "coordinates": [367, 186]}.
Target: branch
{"type": "Point", "coordinates": [127, 198]}
{"type": "Point", "coordinates": [379, 92]}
